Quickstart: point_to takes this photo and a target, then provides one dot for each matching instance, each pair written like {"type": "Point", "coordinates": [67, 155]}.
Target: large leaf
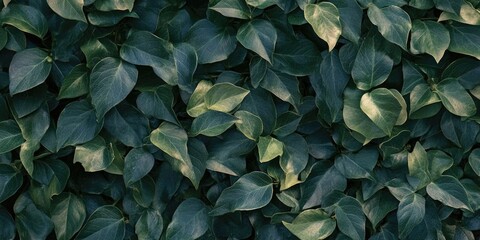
{"type": "Point", "coordinates": [190, 220]}
{"type": "Point", "coordinates": [450, 192]}
{"type": "Point", "coordinates": [76, 124]}
{"type": "Point", "coordinates": [350, 218]}
{"type": "Point", "coordinates": [29, 68]}
{"type": "Point", "coordinates": [411, 211]}
{"type": "Point", "coordinates": [144, 48]}
{"type": "Point", "coordinates": [25, 18]}
{"type": "Point", "coordinates": [429, 37]}
{"type": "Point", "coordinates": [111, 81]}
{"type": "Point", "coordinates": [312, 225]}
{"type": "Point", "coordinates": [259, 36]}
{"type": "Point", "coordinates": [10, 136]}
{"type": "Point", "coordinates": [252, 191]}
{"type": "Point", "coordinates": [212, 43]}
{"type": "Point", "coordinates": [69, 9]}
{"type": "Point", "coordinates": [325, 20]}
{"type": "Point", "coordinates": [455, 98]}
{"type": "Point", "coordinates": [11, 181]}
{"type": "Point", "coordinates": [224, 97]}
{"type": "Point", "coordinates": [393, 23]}
{"type": "Point", "coordinates": [68, 214]}
{"type": "Point", "coordinates": [105, 223]}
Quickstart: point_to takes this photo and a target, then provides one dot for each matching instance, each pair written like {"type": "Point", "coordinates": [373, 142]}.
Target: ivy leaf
{"type": "Point", "coordinates": [149, 225]}
{"type": "Point", "coordinates": [232, 8]}
{"type": "Point", "coordinates": [212, 123]}
{"type": "Point", "coordinates": [69, 9]}
{"type": "Point", "coordinates": [127, 125]}
{"type": "Point", "coordinates": [158, 103]}
{"type": "Point", "coordinates": [283, 86]}
{"type": "Point", "coordinates": [463, 39]}
{"type": "Point", "coordinates": [249, 124]}
{"type": "Point", "coordinates": [269, 148]}
{"type": "Point", "coordinates": [75, 83]}
{"type": "Point", "coordinates": [350, 218]}
{"type": "Point", "coordinates": [25, 18]}
{"type": "Point", "coordinates": [450, 192]}
{"type": "Point", "coordinates": [94, 155]}
{"type": "Point", "coordinates": [8, 230]}
{"type": "Point", "coordinates": [28, 69]}
{"type": "Point", "coordinates": [350, 19]}
{"type": "Point", "coordinates": [190, 220]}
{"type": "Point", "coordinates": [357, 165]}
{"type": "Point", "coordinates": [393, 23]}
{"type": "Point", "coordinates": [106, 222]}
{"type": "Point", "coordinates": [109, 5]}
{"type": "Point", "coordinates": [224, 97]}
{"type": "Point", "coordinates": [111, 81]}
{"type": "Point", "coordinates": [311, 224]}
{"type": "Point", "coordinates": [196, 104]}
{"type": "Point", "coordinates": [11, 181]}
{"type": "Point", "coordinates": [10, 136]}
{"type": "Point", "coordinates": [68, 214]}
{"type": "Point", "coordinates": [378, 206]}
{"type": "Point", "coordinates": [138, 164]}
{"type": "Point", "coordinates": [253, 190]}
{"type": "Point", "coordinates": [474, 161]}
{"type": "Point", "coordinates": [262, 4]}
{"type": "Point", "coordinates": [411, 212]}
{"type": "Point", "coordinates": [172, 140]}
{"type": "Point", "coordinates": [455, 98]}
{"type": "Point", "coordinates": [325, 20]}
{"type": "Point", "coordinates": [31, 222]}
{"type": "Point", "coordinates": [259, 36]}
{"type": "Point", "coordinates": [429, 37]}
{"type": "Point", "coordinates": [294, 158]}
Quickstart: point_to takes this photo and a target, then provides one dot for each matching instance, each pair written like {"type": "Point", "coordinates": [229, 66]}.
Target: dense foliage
{"type": "Point", "coordinates": [236, 119]}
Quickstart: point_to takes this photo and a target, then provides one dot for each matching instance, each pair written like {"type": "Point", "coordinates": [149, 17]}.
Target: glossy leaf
{"type": "Point", "coordinates": [190, 220]}
{"type": "Point", "coordinates": [383, 108]}
{"type": "Point", "coordinates": [31, 222]}
{"type": "Point", "coordinates": [455, 99]}
{"type": "Point", "coordinates": [25, 75]}
{"type": "Point", "coordinates": [94, 155]}
{"type": "Point", "coordinates": [138, 164]}
{"type": "Point", "coordinates": [105, 222]}
{"type": "Point", "coordinates": [450, 192]}
{"type": "Point", "coordinates": [312, 224]}
{"type": "Point", "coordinates": [429, 37]}
{"type": "Point", "coordinates": [411, 212]}
{"type": "Point", "coordinates": [11, 181]}
{"type": "Point", "coordinates": [269, 148]}
{"type": "Point", "coordinates": [10, 136]}
{"type": "Point", "coordinates": [149, 225]}
{"type": "Point", "coordinates": [157, 103]}
{"type": "Point", "coordinates": [224, 97]}
{"type": "Point", "coordinates": [259, 36]}
{"type": "Point", "coordinates": [25, 18]}
{"type": "Point", "coordinates": [232, 8]}
{"type": "Point", "coordinates": [350, 218]}
{"type": "Point", "coordinates": [68, 214]}
{"type": "Point", "coordinates": [172, 140]}
{"type": "Point", "coordinates": [463, 39]}
{"type": "Point", "coordinates": [325, 20]}
{"type": "Point", "coordinates": [249, 124]}
{"type": "Point", "coordinates": [75, 83]}
{"type": "Point", "coordinates": [393, 23]}
{"type": "Point", "coordinates": [212, 123]}
{"type": "Point", "coordinates": [70, 9]}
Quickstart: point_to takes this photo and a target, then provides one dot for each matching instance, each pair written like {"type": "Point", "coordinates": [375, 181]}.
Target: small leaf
{"type": "Point", "coordinates": [69, 9]}
{"type": "Point", "coordinates": [259, 36]}
{"type": "Point", "coordinates": [429, 37]}
{"type": "Point", "coordinates": [224, 97]}
{"type": "Point", "coordinates": [105, 223]}
{"type": "Point", "coordinates": [138, 164]}
{"type": "Point", "coordinates": [325, 20]}
{"type": "Point", "coordinates": [294, 158]}
{"type": "Point", "coordinates": [212, 123]}
{"type": "Point", "coordinates": [150, 225]}
{"type": "Point", "coordinates": [190, 220]}
{"type": "Point", "coordinates": [269, 148]}
{"type": "Point", "coordinates": [249, 124]}
{"type": "Point", "coordinates": [350, 218]}
{"type": "Point", "coordinates": [311, 224]}
{"type": "Point", "coordinates": [28, 69]}
{"type": "Point", "coordinates": [449, 191]}
{"type": "Point", "coordinates": [68, 213]}
{"type": "Point", "coordinates": [25, 18]}
{"type": "Point", "coordinates": [110, 82]}
{"type": "Point", "coordinates": [410, 213]}
{"type": "Point", "coordinates": [11, 181]}
{"type": "Point", "coordinates": [94, 155]}
{"type": "Point", "coordinates": [455, 98]}
{"type": "Point", "coordinates": [253, 190]}
{"type": "Point", "coordinates": [10, 136]}
{"type": "Point", "coordinates": [393, 23]}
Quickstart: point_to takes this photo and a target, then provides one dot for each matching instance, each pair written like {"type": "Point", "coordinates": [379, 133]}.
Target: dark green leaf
{"type": "Point", "coordinates": [350, 19]}
{"type": "Point", "coordinates": [149, 225]}
{"type": "Point", "coordinates": [11, 181]}
{"type": "Point", "coordinates": [68, 214]}
{"type": "Point", "coordinates": [94, 155]}
{"type": "Point", "coordinates": [357, 165]}
{"type": "Point", "coordinates": [190, 220]}
{"type": "Point", "coordinates": [212, 123]}
{"type": "Point", "coordinates": [138, 164]}
{"type": "Point", "coordinates": [249, 124]}
{"type": "Point", "coordinates": [252, 191]}
{"type": "Point", "coordinates": [8, 230]}
{"type": "Point", "coordinates": [463, 39]}
{"type": "Point", "coordinates": [25, 18]}
{"type": "Point", "coordinates": [294, 158]}
{"type": "Point", "coordinates": [393, 23]}
{"type": "Point", "coordinates": [105, 223]}
{"type": "Point", "coordinates": [158, 103]}
{"type": "Point", "coordinates": [429, 37]}
{"type": "Point", "coordinates": [75, 83]}
{"type": "Point", "coordinates": [110, 82]}
{"type": "Point", "coordinates": [27, 102]}
{"type": "Point", "coordinates": [127, 124]}
{"type": "Point", "coordinates": [325, 20]}
{"type": "Point", "coordinates": [10, 136]}
{"type": "Point", "coordinates": [109, 5]}
{"type": "Point", "coordinates": [378, 206]}
{"type": "Point", "coordinates": [30, 221]}
{"type": "Point", "coordinates": [283, 86]}
{"type": "Point", "coordinates": [172, 140]}
{"type": "Point", "coordinates": [289, 55]}
{"type": "Point", "coordinates": [261, 3]}
{"type": "Point", "coordinates": [312, 225]}
{"type": "Point", "coordinates": [474, 160]}
{"type": "Point", "coordinates": [269, 148]}
{"type": "Point", "coordinates": [224, 97]}
{"type": "Point", "coordinates": [449, 191]}
{"type": "Point", "coordinates": [29, 68]}
{"type": "Point", "coordinates": [259, 36]}
{"type": "Point", "coordinates": [350, 218]}
{"type": "Point", "coordinates": [455, 98]}
{"type": "Point", "coordinates": [232, 8]}
{"type": "Point", "coordinates": [109, 19]}
{"type": "Point", "coordinates": [411, 211]}
{"type": "Point", "coordinates": [69, 9]}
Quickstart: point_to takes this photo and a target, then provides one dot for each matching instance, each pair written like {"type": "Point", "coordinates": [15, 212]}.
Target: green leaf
{"type": "Point", "coordinates": [311, 224]}
{"type": "Point", "coordinates": [28, 69]}
{"type": "Point", "coordinates": [421, 99]}
{"type": "Point", "coordinates": [253, 190]}
{"type": "Point", "coordinates": [11, 181]}
{"type": "Point", "coordinates": [109, 19]}
{"type": "Point", "coordinates": [455, 98]}
{"type": "Point", "coordinates": [325, 20]}
{"type": "Point", "coordinates": [383, 108]}
{"type": "Point", "coordinates": [138, 164]}
{"type": "Point", "coordinates": [144, 48]}
{"type": "Point", "coordinates": [10, 136]}
{"type": "Point", "coordinates": [286, 124]}
{"type": "Point", "coordinates": [110, 82]}
{"type": "Point", "coordinates": [452, 6]}
{"type": "Point", "coordinates": [212, 43]}
{"type": "Point", "coordinates": [462, 133]}
{"type": "Point", "coordinates": [25, 18]}
{"type": "Point", "coordinates": [106, 223]}
{"type": "Point", "coordinates": [262, 4]}
{"type": "Point", "coordinates": [27, 102]}
{"type": "Point", "coordinates": [224, 97]}
{"type": "Point", "coordinates": [94, 155]}
{"type": "Point", "coordinates": [463, 39]}
{"type": "Point", "coordinates": [418, 164]}
{"type": "Point", "coordinates": [76, 124]}
{"type": "Point", "coordinates": [186, 60]}
{"type": "Point", "coordinates": [290, 54]}
{"type": "Point", "coordinates": [127, 124]}
{"type": "Point", "coordinates": [96, 50]}
{"type": "Point", "coordinates": [233, 9]}
{"type": "Point", "coordinates": [378, 206]}
{"type": "Point", "coordinates": [212, 123]}
{"type": "Point", "coordinates": [190, 220]}
{"type": "Point", "coordinates": [350, 19]}
{"type": "Point", "coordinates": [109, 5]}
{"type": "Point", "coordinates": [172, 140]}
{"type": "Point", "coordinates": [8, 230]}
{"type": "Point", "coordinates": [31, 222]}
{"type": "Point", "coordinates": [294, 158]}
{"type": "Point", "coordinates": [350, 218]}
{"type": "Point", "coordinates": [249, 124]}
{"type": "Point", "coordinates": [158, 103]}
{"type": "Point", "coordinates": [474, 160]}
{"type": "Point", "coordinates": [449, 191]}
{"type": "Point", "coordinates": [429, 37]}
{"type": "Point", "coordinates": [195, 169]}
{"type": "Point", "coordinates": [393, 23]}
{"type": "Point", "coordinates": [269, 148]}
{"type": "Point", "coordinates": [410, 213]}
{"type": "Point", "coordinates": [196, 104]}
{"type": "Point", "coordinates": [3, 38]}
{"type": "Point", "coordinates": [68, 213]}
{"type": "Point", "coordinates": [259, 36]}
{"type": "Point", "coordinates": [357, 165]}
{"type": "Point", "coordinates": [283, 86]}
{"type": "Point", "coordinates": [468, 14]}
{"type": "Point", "coordinates": [75, 83]}
{"type": "Point", "coordinates": [149, 225]}
{"type": "Point", "coordinates": [372, 66]}
{"type": "Point", "coordinates": [69, 9]}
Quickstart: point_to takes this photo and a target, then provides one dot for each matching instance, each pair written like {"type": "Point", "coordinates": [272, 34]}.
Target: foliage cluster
{"type": "Point", "coordinates": [236, 119]}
